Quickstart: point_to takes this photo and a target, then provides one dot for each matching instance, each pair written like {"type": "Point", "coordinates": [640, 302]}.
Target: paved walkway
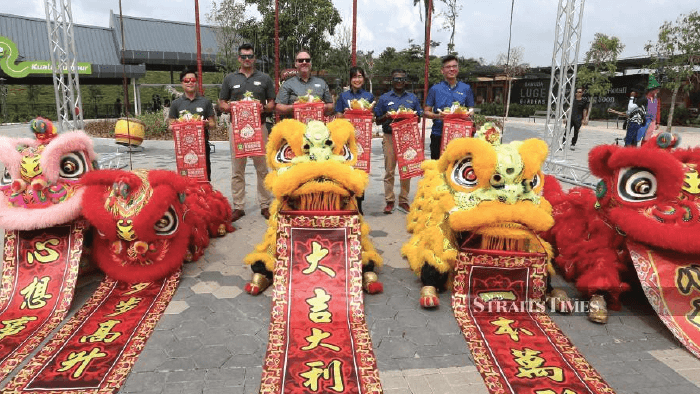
{"type": "Point", "coordinates": [214, 335]}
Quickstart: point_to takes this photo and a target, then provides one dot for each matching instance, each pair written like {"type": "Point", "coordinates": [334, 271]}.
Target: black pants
{"type": "Point", "coordinates": [576, 125]}
{"type": "Point", "coordinates": [435, 142]}
{"type": "Point", "coordinates": [207, 151]}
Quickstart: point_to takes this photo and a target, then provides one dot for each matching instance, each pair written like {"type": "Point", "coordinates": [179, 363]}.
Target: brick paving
{"type": "Point", "coordinates": [213, 336]}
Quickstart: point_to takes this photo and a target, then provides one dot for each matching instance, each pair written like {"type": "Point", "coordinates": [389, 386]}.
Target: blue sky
{"type": "Point", "coordinates": [482, 25]}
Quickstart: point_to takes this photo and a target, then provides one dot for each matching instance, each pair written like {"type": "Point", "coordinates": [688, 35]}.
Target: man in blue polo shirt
{"type": "Point", "coordinates": [443, 95]}
{"type": "Point", "coordinates": [392, 100]}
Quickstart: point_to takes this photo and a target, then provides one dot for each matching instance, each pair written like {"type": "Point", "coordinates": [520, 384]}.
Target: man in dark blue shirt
{"type": "Point", "coordinates": [391, 101]}
{"type": "Point", "coordinates": [442, 95]}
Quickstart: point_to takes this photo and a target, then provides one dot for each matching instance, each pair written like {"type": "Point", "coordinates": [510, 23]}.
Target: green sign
{"type": "Point", "coordinates": [9, 54]}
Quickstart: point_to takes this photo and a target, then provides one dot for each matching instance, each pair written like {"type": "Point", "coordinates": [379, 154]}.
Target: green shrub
{"type": "Point", "coordinates": [156, 128]}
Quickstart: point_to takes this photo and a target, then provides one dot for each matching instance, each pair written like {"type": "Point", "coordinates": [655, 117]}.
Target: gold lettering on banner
{"type": "Point", "coordinates": [136, 287]}
{"type": "Point", "coordinates": [318, 312]}
{"type": "Point", "coordinates": [125, 306]}
{"type": "Point", "coordinates": [688, 278]}
{"type": "Point", "coordinates": [694, 316]}
{"type": "Point", "coordinates": [82, 359]}
{"type": "Point", "coordinates": [550, 391]}
{"type": "Point", "coordinates": [316, 339]}
{"type": "Point", "coordinates": [332, 373]}
{"type": "Point", "coordinates": [531, 366]}
{"type": "Point", "coordinates": [318, 253]}
{"type": "Point", "coordinates": [35, 293]}
{"type": "Point", "coordinates": [103, 333]}
{"type": "Point", "coordinates": [15, 326]}
{"type": "Point", "coordinates": [505, 328]}
{"type": "Point", "coordinates": [43, 253]}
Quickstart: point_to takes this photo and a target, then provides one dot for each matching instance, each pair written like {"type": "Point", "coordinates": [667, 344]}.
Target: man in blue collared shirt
{"type": "Point", "coordinates": [443, 95]}
{"type": "Point", "coordinates": [392, 100]}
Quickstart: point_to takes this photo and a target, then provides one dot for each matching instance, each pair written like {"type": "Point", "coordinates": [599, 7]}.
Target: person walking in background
{"type": "Point", "coordinates": [392, 100]}
{"type": "Point", "coordinates": [637, 118]}
{"type": "Point", "coordinates": [442, 95]}
{"type": "Point", "coordinates": [235, 85]}
{"type": "Point", "coordinates": [579, 114]}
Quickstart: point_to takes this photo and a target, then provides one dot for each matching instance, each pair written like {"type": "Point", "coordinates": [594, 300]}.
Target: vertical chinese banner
{"type": "Point", "coordinates": [190, 149]}
{"type": "Point", "coordinates": [408, 147]}
{"type": "Point", "coordinates": [247, 135]}
{"type": "Point", "coordinates": [455, 126]}
{"type": "Point", "coordinates": [498, 302]}
{"type": "Point", "coordinates": [304, 112]}
{"type": "Point", "coordinates": [319, 341]}
{"type": "Point", "coordinates": [40, 269]}
{"type": "Point", "coordinates": [362, 120]}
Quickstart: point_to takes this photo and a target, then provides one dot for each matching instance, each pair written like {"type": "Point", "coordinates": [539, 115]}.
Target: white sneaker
{"type": "Point", "coordinates": [572, 147]}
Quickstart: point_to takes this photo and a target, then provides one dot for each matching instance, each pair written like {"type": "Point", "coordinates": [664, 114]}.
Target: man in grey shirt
{"type": "Point", "coordinates": [235, 85]}
{"type": "Point", "coordinates": [300, 85]}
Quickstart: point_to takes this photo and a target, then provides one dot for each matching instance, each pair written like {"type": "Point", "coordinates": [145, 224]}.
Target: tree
{"type": "Point", "coordinates": [228, 18]}
{"type": "Point", "coordinates": [450, 22]}
{"type": "Point", "coordinates": [339, 57]}
{"type": "Point", "coordinates": [601, 64]}
{"type": "Point", "coordinates": [513, 67]}
{"type": "Point", "coordinates": [676, 54]}
{"type": "Point", "coordinates": [303, 24]}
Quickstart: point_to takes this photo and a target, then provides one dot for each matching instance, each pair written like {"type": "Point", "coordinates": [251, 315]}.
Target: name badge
{"type": "Point", "coordinates": [200, 109]}
{"type": "Point", "coordinates": [390, 103]}
{"type": "Point", "coordinates": [318, 85]}
{"type": "Point", "coordinates": [236, 86]}
{"type": "Point", "coordinates": [257, 83]}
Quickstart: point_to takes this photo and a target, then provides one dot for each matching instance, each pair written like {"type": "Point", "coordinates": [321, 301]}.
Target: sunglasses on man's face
{"type": "Point", "coordinates": [246, 56]}
{"type": "Point", "coordinates": [188, 80]}
{"type": "Point", "coordinates": [399, 79]}
{"type": "Point", "coordinates": [304, 60]}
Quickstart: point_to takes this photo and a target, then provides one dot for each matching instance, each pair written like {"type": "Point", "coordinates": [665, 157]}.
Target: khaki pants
{"type": "Point", "coordinates": [390, 168]}
{"type": "Point", "coordinates": [238, 165]}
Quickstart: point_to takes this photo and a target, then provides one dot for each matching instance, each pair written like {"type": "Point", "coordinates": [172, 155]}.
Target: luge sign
{"type": "Point", "coordinates": [9, 54]}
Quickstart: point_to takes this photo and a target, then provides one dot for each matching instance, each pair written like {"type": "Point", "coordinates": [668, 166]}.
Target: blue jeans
{"type": "Point", "coordinates": [631, 136]}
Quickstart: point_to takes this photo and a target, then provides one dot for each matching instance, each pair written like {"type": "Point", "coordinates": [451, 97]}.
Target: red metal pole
{"type": "Point", "coordinates": [428, 18]}
{"type": "Point", "coordinates": [199, 48]}
{"type": "Point", "coordinates": [354, 33]}
{"type": "Point", "coordinates": [277, 45]}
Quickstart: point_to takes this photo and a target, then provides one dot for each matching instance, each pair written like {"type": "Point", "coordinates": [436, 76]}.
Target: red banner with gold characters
{"type": "Point", "coordinates": [318, 341]}
{"type": "Point", "coordinates": [190, 149]}
{"type": "Point", "coordinates": [498, 301]}
{"type": "Point", "coordinates": [95, 350]}
{"type": "Point", "coordinates": [247, 134]}
{"type": "Point", "coordinates": [362, 120]}
{"type": "Point", "coordinates": [40, 269]}
{"type": "Point", "coordinates": [304, 112]}
{"type": "Point", "coordinates": [671, 282]}
{"type": "Point", "coordinates": [455, 126]}
{"type": "Point", "coordinates": [408, 147]}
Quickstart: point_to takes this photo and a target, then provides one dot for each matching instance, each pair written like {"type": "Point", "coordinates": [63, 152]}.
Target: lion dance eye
{"type": "Point", "coordinates": [284, 154]}
{"type": "Point", "coordinates": [72, 165]}
{"type": "Point", "coordinates": [347, 154]}
{"type": "Point", "coordinates": [636, 184]}
{"type": "Point", "coordinates": [167, 224]}
{"type": "Point", "coordinates": [531, 184]}
{"type": "Point", "coordinates": [463, 173]}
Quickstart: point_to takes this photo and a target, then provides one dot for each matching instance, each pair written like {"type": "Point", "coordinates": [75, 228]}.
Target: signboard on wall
{"type": "Point", "coordinates": [9, 55]}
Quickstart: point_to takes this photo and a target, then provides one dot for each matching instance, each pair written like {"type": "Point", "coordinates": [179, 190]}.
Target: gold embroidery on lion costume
{"type": "Point", "coordinates": [312, 170]}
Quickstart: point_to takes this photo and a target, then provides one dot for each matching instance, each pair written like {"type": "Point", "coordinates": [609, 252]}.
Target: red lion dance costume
{"type": "Point", "coordinates": [643, 217]}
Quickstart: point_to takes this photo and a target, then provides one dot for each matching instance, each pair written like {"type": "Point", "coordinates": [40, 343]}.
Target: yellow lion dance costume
{"type": "Point", "coordinates": [480, 194]}
{"type": "Point", "coordinates": [312, 170]}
